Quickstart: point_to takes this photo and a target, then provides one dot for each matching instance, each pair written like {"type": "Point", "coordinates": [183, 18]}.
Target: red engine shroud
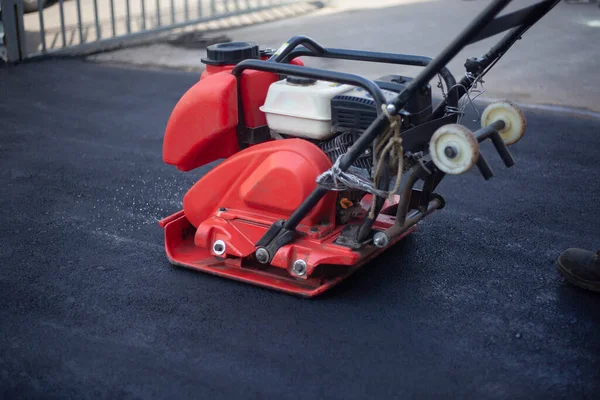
{"type": "Point", "coordinates": [236, 203]}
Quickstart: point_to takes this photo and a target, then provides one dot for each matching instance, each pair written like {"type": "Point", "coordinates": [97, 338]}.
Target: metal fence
{"type": "Point", "coordinates": [31, 30]}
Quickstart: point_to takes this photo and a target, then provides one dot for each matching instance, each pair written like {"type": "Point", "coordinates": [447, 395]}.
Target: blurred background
{"type": "Point", "coordinates": [175, 33]}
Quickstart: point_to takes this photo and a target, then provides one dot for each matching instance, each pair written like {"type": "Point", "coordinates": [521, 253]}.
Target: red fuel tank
{"type": "Point", "coordinates": [254, 85]}
{"type": "Point", "coordinates": [202, 126]}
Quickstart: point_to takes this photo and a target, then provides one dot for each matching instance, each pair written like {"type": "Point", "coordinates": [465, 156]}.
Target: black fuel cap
{"type": "Point", "coordinates": [230, 53]}
{"type": "Point", "coordinates": [297, 80]}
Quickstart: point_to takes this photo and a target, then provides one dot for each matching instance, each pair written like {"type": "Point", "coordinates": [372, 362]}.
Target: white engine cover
{"type": "Point", "coordinates": [302, 110]}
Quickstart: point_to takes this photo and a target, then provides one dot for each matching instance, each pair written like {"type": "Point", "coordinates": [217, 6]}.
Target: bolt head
{"type": "Point", "coordinates": [390, 108]}
{"type": "Point", "coordinates": [222, 209]}
{"type": "Point", "coordinates": [262, 255]}
{"type": "Point", "coordinates": [381, 239]}
{"type": "Point", "coordinates": [451, 151]}
{"type": "Point", "coordinates": [299, 268]}
{"type": "Point", "coordinates": [219, 247]}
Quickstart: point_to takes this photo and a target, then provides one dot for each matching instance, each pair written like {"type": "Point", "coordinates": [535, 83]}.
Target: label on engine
{"type": "Point", "coordinates": [362, 93]}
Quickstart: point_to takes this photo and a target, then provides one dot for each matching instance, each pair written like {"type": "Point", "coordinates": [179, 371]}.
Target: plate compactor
{"type": "Point", "coordinates": [321, 168]}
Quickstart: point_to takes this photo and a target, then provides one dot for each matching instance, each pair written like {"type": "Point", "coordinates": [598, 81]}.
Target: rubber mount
{"type": "Point", "coordinates": [454, 149]}
{"type": "Point", "coordinates": [513, 117]}
{"type": "Point", "coordinates": [231, 53]}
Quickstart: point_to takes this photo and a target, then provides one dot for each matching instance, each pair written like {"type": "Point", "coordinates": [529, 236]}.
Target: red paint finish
{"type": "Point", "coordinates": [254, 88]}
{"type": "Point", "coordinates": [328, 264]}
{"type": "Point", "coordinates": [239, 200]}
{"type": "Point", "coordinates": [202, 127]}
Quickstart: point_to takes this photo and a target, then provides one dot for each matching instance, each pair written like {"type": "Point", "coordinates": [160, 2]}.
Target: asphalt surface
{"type": "Point", "coordinates": [469, 306]}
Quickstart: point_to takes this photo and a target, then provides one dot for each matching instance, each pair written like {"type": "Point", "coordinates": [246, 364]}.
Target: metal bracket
{"type": "Point", "coordinates": [275, 238]}
{"type": "Point", "coordinates": [491, 132]}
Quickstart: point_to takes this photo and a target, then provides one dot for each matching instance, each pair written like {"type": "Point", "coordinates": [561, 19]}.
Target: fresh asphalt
{"type": "Point", "coordinates": [469, 306]}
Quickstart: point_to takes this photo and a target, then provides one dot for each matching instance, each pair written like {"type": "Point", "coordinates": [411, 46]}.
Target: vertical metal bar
{"type": "Point", "coordinates": [172, 11]}
{"type": "Point", "coordinates": [186, 11]}
{"type": "Point", "coordinates": [199, 8]}
{"type": "Point", "coordinates": [158, 13]}
{"type": "Point", "coordinates": [236, 3]}
{"type": "Point", "coordinates": [62, 23]}
{"type": "Point", "coordinates": [14, 32]}
{"type": "Point", "coordinates": [79, 24]}
{"type": "Point", "coordinates": [143, 7]}
{"type": "Point", "coordinates": [112, 18]}
{"type": "Point", "coordinates": [96, 20]}
{"type": "Point", "coordinates": [42, 30]}
{"type": "Point", "coordinates": [11, 35]}
{"type": "Point", "coordinates": [21, 31]}
{"type": "Point", "coordinates": [213, 7]}
{"type": "Point", "coordinates": [128, 16]}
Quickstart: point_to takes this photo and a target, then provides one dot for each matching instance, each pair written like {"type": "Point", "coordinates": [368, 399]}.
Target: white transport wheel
{"type": "Point", "coordinates": [513, 117]}
{"type": "Point", "coordinates": [454, 149]}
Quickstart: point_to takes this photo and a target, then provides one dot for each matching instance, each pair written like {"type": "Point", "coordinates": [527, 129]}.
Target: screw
{"type": "Point", "coordinates": [262, 255]}
{"type": "Point", "coordinates": [299, 267]}
{"type": "Point", "coordinates": [451, 151]}
{"type": "Point", "coordinates": [219, 247]}
{"type": "Point", "coordinates": [222, 209]}
{"type": "Point", "coordinates": [381, 239]}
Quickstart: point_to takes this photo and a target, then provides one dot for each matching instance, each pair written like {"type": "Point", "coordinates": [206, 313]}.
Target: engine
{"type": "Point", "coordinates": [333, 115]}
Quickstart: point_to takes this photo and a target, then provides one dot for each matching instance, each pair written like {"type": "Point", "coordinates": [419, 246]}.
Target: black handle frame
{"type": "Point", "coordinates": [485, 25]}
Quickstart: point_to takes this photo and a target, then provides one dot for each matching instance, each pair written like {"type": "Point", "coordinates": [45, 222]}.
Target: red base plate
{"type": "Point", "coordinates": [181, 251]}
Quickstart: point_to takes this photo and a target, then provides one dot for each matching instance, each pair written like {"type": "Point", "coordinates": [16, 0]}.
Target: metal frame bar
{"type": "Point", "coordinates": [62, 23]}
{"type": "Point", "coordinates": [102, 44]}
{"type": "Point", "coordinates": [14, 32]}
{"type": "Point", "coordinates": [79, 24]}
{"type": "Point", "coordinates": [128, 16]}
{"type": "Point", "coordinates": [478, 67]}
{"type": "Point", "coordinates": [482, 25]}
{"type": "Point", "coordinates": [311, 48]}
{"type": "Point", "coordinates": [143, 11]}
{"type": "Point", "coordinates": [96, 21]}
{"type": "Point", "coordinates": [331, 76]}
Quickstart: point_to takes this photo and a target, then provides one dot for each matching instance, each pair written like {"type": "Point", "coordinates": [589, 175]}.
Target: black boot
{"type": "Point", "coordinates": [581, 268]}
